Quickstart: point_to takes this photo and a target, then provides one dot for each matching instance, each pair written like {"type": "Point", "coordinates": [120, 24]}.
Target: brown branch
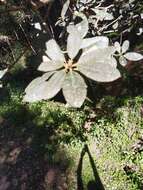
{"type": "Point", "coordinates": [27, 40]}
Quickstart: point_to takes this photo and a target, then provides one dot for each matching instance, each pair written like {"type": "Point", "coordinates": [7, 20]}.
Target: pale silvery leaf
{"type": "Point", "coordinates": [133, 56]}
{"type": "Point", "coordinates": [33, 90]}
{"type": "Point", "coordinates": [53, 85]}
{"type": "Point", "coordinates": [108, 16]}
{"type": "Point", "coordinates": [140, 31]}
{"type": "Point", "coordinates": [125, 46]}
{"type": "Point", "coordinates": [36, 82]}
{"type": "Point", "coordinates": [43, 90]}
{"type": "Point", "coordinates": [117, 47]}
{"type": "Point", "coordinates": [37, 25]}
{"type": "Point", "coordinates": [74, 41]}
{"type": "Point", "coordinates": [49, 65]}
{"type": "Point", "coordinates": [115, 26]}
{"type": "Point", "coordinates": [99, 70]}
{"type": "Point", "coordinates": [54, 51]}
{"type": "Point", "coordinates": [74, 89]}
{"type": "Point", "coordinates": [131, 1]}
{"type": "Point", "coordinates": [82, 27]}
{"type": "Point", "coordinates": [35, 94]}
{"type": "Point", "coordinates": [122, 61]}
{"type": "Point", "coordinates": [47, 75]}
{"type": "Point", "coordinates": [102, 14]}
{"type": "Point", "coordinates": [112, 61]}
{"type": "Point", "coordinates": [3, 72]}
{"type": "Point", "coordinates": [45, 58]}
{"type": "Point", "coordinates": [65, 8]}
{"type": "Point", "coordinates": [71, 28]}
{"type": "Point", "coordinates": [84, 1]}
{"type": "Point", "coordinates": [99, 53]}
{"type": "Point", "coordinates": [99, 42]}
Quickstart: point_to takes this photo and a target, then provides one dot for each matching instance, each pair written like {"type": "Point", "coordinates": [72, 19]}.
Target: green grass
{"type": "Point", "coordinates": [114, 137]}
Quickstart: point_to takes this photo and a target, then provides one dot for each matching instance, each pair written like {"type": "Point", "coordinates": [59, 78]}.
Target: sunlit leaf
{"type": "Point", "coordinates": [74, 89]}
{"type": "Point", "coordinates": [98, 53]}
{"type": "Point", "coordinates": [43, 90]}
{"type": "Point", "coordinates": [54, 84]}
{"type": "Point", "coordinates": [54, 51]}
{"type": "Point", "coordinates": [108, 16]}
{"type": "Point", "coordinates": [45, 58]}
{"type": "Point", "coordinates": [102, 14]}
{"type": "Point", "coordinates": [100, 70]}
{"type": "Point", "coordinates": [123, 61]}
{"type": "Point", "coordinates": [73, 43]}
{"type": "Point", "coordinates": [37, 25]}
{"type": "Point", "coordinates": [71, 28]}
{"type": "Point", "coordinates": [115, 26]}
{"type": "Point", "coordinates": [3, 72]}
{"type": "Point", "coordinates": [125, 46]}
{"type": "Point", "coordinates": [82, 27]}
{"type": "Point", "coordinates": [99, 42]}
{"type": "Point", "coordinates": [47, 75]}
{"type": "Point", "coordinates": [117, 46]}
{"type": "Point", "coordinates": [49, 65]}
{"type": "Point", "coordinates": [65, 8]}
{"type": "Point", "coordinates": [133, 56]}
{"type": "Point", "coordinates": [36, 82]}
{"type": "Point", "coordinates": [112, 61]}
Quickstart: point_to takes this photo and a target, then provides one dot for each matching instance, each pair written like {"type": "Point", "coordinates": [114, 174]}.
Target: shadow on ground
{"type": "Point", "coordinates": [94, 184]}
{"type": "Point", "coordinates": [30, 158]}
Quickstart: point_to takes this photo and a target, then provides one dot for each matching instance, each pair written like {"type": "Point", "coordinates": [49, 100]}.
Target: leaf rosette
{"type": "Point", "coordinates": [96, 62]}
{"type": "Point", "coordinates": [124, 55]}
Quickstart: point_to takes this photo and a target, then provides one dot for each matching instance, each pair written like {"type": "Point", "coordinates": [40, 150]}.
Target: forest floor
{"type": "Point", "coordinates": [47, 146]}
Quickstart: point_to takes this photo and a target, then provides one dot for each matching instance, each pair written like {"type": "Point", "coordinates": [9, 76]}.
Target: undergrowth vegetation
{"type": "Point", "coordinates": [113, 130]}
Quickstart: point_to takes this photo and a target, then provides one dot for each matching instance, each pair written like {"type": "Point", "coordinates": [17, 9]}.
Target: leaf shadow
{"type": "Point", "coordinates": [93, 184]}
{"type": "Point", "coordinates": [30, 157]}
